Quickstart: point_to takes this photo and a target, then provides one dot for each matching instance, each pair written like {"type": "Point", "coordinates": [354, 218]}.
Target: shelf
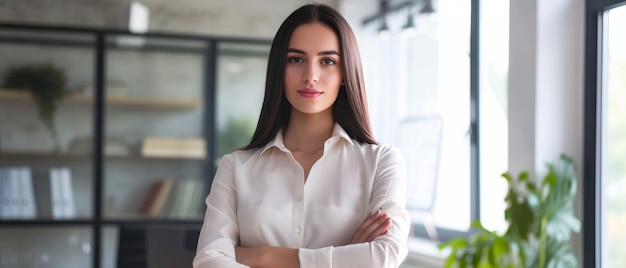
{"type": "Point", "coordinates": [22, 223]}
{"type": "Point", "coordinates": [86, 116]}
{"type": "Point", "coordinates": [71, 155]}
{"type": "Point", "coordinates": [138, 219]}
{"type": "Point", "coordinates": [146, 221]}
{"type": "Point", "coordinates": [43, 154]}
{"type": "Point", "coordinates": [113, 100]}
{"type": "Point", "coordinates": [154, 221]}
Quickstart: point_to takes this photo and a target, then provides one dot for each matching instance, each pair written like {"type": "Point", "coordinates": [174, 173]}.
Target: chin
{"type": "Point", "coordinates": [312, 110]}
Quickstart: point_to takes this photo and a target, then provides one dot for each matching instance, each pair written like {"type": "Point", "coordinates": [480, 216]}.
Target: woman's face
{"type": "Point", "coordinates": [313, 71]}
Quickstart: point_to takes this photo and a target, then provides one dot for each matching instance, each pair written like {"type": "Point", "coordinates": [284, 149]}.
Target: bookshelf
{"type": "Point", "coordinates": [137, 115]}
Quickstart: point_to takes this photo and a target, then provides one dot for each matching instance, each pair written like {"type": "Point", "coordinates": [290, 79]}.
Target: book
{"type": "Point", "coordinates": [55, 194]}
{"type": "Point", "coordinates": [28, 209]}
{"type": "Point", "coordinates": [67, 193]}
{"type": "Point", "coordinates": [157, 195]}
{"type": "Point", "coordinates": [174, 147]}
{"type": "Point", "coordinates": [6, 209]}
{"type": "Point", "coordinates": [169, 208]}
{"type": "Point", "coordinates": [168, 205]}
{"type": "Point", "coordinates": [197, 200]}
{"type": "Point", "coordinates": [113, 146]}
{"type": "Point", "coordinates": [174, 204]}
{"type": "Point", "coordinates": [17, 195]}
{"type": "Point", "coordinates": [14, 210]}
{"type": "Point", "coordinates": [62, 194]}
{"type": "Point", "coordinates": [181, 210]}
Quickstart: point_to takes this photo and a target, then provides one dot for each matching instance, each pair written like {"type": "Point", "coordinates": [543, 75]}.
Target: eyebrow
{"type": "Point", "coordinates": [327, 52]}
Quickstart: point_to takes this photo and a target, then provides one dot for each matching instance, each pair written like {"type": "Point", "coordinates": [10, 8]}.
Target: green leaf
{"type": "Point", "coordinates": [508, 177]}
{"type": "Point", "coordinates": [560, 255]}
{"type": "Point", "coordinates": [499, 250]}
{"type": "Point", "coordinates": [518, 212]}
{"type": "Point", "coordinates": [562, 224]}
{"type": "Point", "coordinates": [541, 219]}
{"type": "Point", "coordinates": [454, 243]}
{"type": "Point", "coordinates": [46, 83]}
{"type": "Point", "coordinates": [484, 261]}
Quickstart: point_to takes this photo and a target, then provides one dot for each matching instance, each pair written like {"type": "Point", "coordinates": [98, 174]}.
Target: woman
{"type": "Point", "coordinates": [313, 188]}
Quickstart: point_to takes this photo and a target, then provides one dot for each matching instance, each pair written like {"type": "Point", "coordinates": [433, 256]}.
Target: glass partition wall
{"type": "Point", "coordinates": [44, 177]}
{"type": "Point", "coordinates": [106, 134]}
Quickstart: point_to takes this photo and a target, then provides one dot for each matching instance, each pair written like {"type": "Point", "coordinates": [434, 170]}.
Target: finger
{"type": "Point", "coordinates": [372, 228]}
{"type": "Point", "coordinates": [361, 234]}
{"type": "Point", "coordinates": [375, 226]}
{"type": "Point", "coordinates": [382, 230]}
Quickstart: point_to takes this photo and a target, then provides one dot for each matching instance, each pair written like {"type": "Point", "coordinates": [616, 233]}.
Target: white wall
{"type": "Point", "coordinates": [546, 71]}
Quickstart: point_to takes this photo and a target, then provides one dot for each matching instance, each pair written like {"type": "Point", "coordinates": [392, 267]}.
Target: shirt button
{"type": "Point", "coordinates": [297, 230]}
{"type": "Point", "coordinates": [299, 198]}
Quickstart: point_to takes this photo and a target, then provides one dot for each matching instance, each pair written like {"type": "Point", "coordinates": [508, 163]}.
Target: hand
{"type": "Point", "coordinates": [374, 225]}
{"type": "Point", "coordinates": [266, 256]}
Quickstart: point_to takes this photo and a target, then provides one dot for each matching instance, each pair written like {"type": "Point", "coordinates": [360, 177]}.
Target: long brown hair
{"type": "Point", "coordinates": [350, 108]}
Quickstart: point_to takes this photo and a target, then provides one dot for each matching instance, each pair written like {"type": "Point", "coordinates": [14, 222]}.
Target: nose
{"type": "Point", "coordinates": [311, 74]}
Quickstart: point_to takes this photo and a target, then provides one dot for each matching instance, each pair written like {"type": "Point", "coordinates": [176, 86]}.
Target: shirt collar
{"type": "Point", "coordinates": [338, 133]}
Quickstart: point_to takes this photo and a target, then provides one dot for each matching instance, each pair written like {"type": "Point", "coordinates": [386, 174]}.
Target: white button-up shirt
{"type": "Point", "coordinates": [259, 197]}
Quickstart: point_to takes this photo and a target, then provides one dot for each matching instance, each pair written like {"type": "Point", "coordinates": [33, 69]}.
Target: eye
{"type": "Point", "coordinates": [329, 61]}
{"type": "Point", "coordinates": [295, 60]}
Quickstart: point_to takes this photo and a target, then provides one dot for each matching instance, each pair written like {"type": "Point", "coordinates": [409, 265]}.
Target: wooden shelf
{"type": "Point", "coordinates": [86, 156]}
{"type": "Point", "coordinates": [42, 154]}
{"type": "Point", "coordinates": [46, 221]}
{"type": "Point", "coordinates": [120, 217]}
{"type": "Point", "coordinates": [114, 100]}
{"type": "Point", "coordinates": [155, 221]}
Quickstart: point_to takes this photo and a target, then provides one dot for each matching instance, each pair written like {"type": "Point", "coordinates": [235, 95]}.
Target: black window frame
{"type": "Point", "coordinates": [594, 17]}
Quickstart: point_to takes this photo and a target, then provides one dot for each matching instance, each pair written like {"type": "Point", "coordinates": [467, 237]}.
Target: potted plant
{"type": "Point", "coordinates": [46, 84]}
{"type": "Point", "coordinates": [541, 219]}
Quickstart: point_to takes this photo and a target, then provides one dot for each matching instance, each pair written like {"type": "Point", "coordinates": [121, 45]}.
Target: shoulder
{"type": "Point", "coordinates": [239, 156]}
{"type": "Point", "coordinates": [378, 149]}
{"type": "Point", "coordinates": [381, 152]}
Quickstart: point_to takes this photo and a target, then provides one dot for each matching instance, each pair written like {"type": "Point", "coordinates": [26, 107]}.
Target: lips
{"type": "Point", "coordinates": [309, 93]}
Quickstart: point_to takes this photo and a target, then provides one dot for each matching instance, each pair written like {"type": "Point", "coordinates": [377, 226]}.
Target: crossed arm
{"type": "Point", "coordinates": [374, 225]}
{"type": "Point", "coordinates": [379, 241]}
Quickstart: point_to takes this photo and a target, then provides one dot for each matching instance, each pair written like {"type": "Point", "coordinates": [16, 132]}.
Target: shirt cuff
{"type": "Point", "coordinates": [315, 258]}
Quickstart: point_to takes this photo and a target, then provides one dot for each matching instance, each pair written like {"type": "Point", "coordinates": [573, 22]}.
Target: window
{"type": "Point", "coordinates": [493, 123]}
{"type": "Point", "coordinates": [613, 148]}
{"type": "Point", "coordinates": [420, 91]}
{"type": "Point", "coordinates": [605, 136]}
{"type": "Point", "coordinates": [419, 96]}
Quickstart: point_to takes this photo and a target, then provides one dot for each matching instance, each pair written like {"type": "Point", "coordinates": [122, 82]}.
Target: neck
{"type": "Point", "coordinates": [306, 132]}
